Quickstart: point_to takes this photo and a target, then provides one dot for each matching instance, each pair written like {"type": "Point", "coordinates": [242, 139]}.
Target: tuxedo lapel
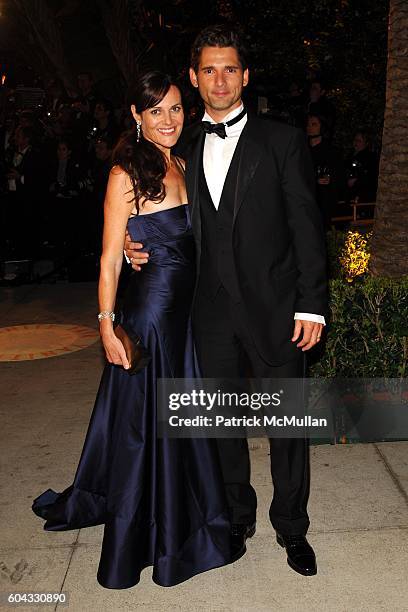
{"type": "Point", "coordinates": [192, 178]}
{"type": "Point", "coordinates": [192, 172]}
{"type": "Point", "coordinates": [250, 156]}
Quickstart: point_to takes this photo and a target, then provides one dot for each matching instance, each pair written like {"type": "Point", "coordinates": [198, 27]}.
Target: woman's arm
{"type": "Point", "coordinates": [117, 209]}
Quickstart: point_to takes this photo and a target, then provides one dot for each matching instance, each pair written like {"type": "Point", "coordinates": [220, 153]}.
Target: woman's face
{"type": "Point", "coordinates": [162, 124]}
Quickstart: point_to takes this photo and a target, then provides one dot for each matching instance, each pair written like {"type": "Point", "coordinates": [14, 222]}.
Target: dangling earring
{"type": "Point", "coordinates": [139, 130]}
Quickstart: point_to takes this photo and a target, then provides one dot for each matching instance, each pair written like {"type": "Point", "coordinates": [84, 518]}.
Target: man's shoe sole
{"type": "Point", "coordinates": [295, 567]}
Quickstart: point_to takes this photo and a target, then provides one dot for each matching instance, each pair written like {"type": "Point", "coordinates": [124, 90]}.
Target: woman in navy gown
{"type": "Point", "coordinates": [161, 500]}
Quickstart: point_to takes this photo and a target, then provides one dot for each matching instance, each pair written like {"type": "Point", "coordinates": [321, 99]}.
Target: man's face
{"type": "Point", "coordinates": [220, 78]}
{"type": "Point", "coordinates": [313, 126]}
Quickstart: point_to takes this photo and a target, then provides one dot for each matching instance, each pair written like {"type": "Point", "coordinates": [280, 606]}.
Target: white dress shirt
{"type": "Point", "coordinates": [217, 156]}
{"type": "Point", "coordinates": [218, 153]}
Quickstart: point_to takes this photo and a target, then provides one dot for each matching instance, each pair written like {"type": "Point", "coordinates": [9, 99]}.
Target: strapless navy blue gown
{"type": "Point", "coordinates": [162, 500]}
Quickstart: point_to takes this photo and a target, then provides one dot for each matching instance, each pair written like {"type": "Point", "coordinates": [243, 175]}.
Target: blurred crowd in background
{"type": "Point", "coordinates": [56, 154]}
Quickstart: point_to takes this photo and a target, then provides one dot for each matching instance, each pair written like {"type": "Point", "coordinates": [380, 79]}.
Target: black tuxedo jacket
{"type": "Point", "coordinates": [32, 168]}
{"type": "Point", "coordinates": [277, 234]}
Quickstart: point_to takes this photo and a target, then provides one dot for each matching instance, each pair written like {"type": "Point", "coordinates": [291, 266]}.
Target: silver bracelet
{"type": "Point", "coordinates": [105, 314]}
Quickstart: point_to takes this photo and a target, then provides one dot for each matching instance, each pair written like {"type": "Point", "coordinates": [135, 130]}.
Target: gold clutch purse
{"type": "Point", "coordinates": [137, 355]}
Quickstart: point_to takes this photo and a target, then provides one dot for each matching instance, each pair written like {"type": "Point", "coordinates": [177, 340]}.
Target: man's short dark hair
{"type": "Point", "coordinates": [220, 35]}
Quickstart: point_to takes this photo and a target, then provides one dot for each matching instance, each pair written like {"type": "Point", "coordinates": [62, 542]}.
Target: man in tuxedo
{"type": "Point", "coordinates": [26, 192]}
{"type": "Point", "coordinates": [261, 280]}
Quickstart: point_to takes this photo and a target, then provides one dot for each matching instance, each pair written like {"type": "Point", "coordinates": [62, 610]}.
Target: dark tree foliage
{"type": "Point", "coordinates": [344, 41]}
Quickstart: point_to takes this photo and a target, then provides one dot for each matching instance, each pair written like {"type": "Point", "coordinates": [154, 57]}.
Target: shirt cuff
{"type": "Point", "coordinates": [306, 316]}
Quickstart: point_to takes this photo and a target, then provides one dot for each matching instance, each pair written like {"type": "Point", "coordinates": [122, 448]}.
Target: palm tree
{"type": "Point", "coordinates": [390, 233]}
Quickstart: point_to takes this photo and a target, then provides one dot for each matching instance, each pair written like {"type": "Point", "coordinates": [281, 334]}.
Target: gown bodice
{"type": "Point", "coordinates": [163, 233]}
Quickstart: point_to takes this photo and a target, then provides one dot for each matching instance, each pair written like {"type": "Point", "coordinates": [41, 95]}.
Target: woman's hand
{"type": "Point", "coordinates": [115, 352]}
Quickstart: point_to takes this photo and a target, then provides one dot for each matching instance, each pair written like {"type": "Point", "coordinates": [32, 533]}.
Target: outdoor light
{"type": "Point", "coordinates": [355, 255]}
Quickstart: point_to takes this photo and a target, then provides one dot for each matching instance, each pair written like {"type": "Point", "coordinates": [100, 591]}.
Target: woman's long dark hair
{"type": "Point", "coordinates": [145, 164]}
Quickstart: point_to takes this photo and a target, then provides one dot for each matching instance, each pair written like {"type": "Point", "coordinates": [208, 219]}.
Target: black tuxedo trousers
{"type": "Point", "coordinates": [226, 350]}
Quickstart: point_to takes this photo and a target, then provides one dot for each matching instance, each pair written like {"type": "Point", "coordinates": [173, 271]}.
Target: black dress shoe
{"type": "Point", "coordinates": [301, 557]}
{"type": "Point", "coordinates": [239, 534]}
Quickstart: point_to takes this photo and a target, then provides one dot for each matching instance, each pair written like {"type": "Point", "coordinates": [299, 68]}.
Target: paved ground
{"type": "Point", "coordinates": [358, 504]}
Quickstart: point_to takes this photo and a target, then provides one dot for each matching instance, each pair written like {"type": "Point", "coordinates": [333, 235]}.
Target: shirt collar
{"type": "Point", "coordinates": [234, 129]}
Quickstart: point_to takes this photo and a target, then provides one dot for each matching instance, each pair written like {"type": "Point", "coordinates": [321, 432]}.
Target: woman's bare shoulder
{"type": "Point", "coordinates": [117, 170]}
{"type": "Point", "coordinates": [119, 177]}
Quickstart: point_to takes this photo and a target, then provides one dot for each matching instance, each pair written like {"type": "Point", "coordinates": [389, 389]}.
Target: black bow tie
{"type": "Point", "coordinates": [219, 128]}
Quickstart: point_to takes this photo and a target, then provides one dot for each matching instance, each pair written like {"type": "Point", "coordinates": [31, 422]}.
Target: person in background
{"type": "Point", "coordinates": [26, 189]}
{"type": "Point", "coordinates": [328, 166]}
{"type": "Point", "coordinates": [362, 169]}
{"type": "Point", "coordinates": [55, 97]}
{"type": "Point", "coordinates": [295, 105]}
{"type": "Point", "coordinates": [84, 108]}
{"type": "Point", "coordinates": [66, 172]}
{"type": "Point", "coordinates": [105, 124]}
{"type": "Point", "coordinates": [6, 138]}
{"type": "Point", "coordinates": [65, 184]}
{"type": "Point", "coordinates": [56, 128]}
{"type": "Point", "coordinates": [87, 99]}
{"type": "Point", "coordinates": [98, 176]}
{"type": "Point", "coordinates": [318, 104]}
